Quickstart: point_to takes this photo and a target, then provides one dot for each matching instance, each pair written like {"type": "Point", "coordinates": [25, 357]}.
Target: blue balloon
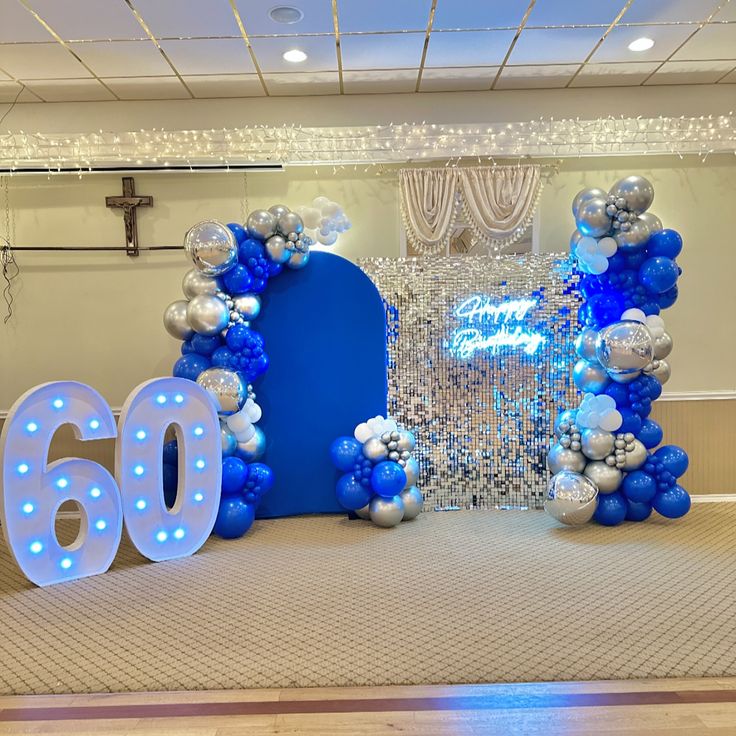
{"type": "Point", "coordinates": [238, 231]}
{"type": "Point", "coordinates": [651, 385]}
{"type": "Point", "coordinates": [611, 508]}
{"type": "Point", "coordinates": [673, 458]}
{"type": "Point", "coordinates": [259, 479]}
{"type": "Point", "coordinates": [668, 298]}
{"type": "Point", "coordinates": [237, 337]}
{"type": "Point", "coordinates": [171, 453]}
{"type": "Point", "coordinates": [351, 493]}
{"type": "Point", "coordinates": [634, 260]}
{"type": "Point", "coordinates": [639, 486]}
{"type": "Point", "coordinates": [344, 452]}
{"type": "Point", "coordinates": [234, 518]}
{"type": "Point", "coordinates": [223, 357]}
{"type": "Point", "coordinates": [250, 248]}
{"type": "Point", "coordinates": [171, 484]}
{"type": "Point", "coordinates": [619, 393]}
{"type": "Point", "coordinates": [187, 347]}
{"type": "Point", "coordinates": [590, 285]}
{"type": "Point", "coordinates": [234, 474]}
{"type": "Point", "coordinates": [638, 511]}
{"type": "Point", "coordinates": [650, 434]}
{"type": "Point", "coordinates": [650, 307]}
{"type": "Point", "coordinates": [237, 280]}
{"type": "Point", "coordinates": [190, 366]}
{"type": "Point", "coordinates": [388, 479]}
{"type": "Point", "coordinates": [672, 503]}
{"type": "Point", "coordinates": [206, 344]}
{"type": "Point", "coordinates": [658, 274]}
{"type": "Point", "coordinates": [617, 263]}
{"type": "Point", "coordinates": [666, 243]}
{"type": "Point", "coordinates": [631, 421]}
{"type": "Point", "coordinates": [604, 309]}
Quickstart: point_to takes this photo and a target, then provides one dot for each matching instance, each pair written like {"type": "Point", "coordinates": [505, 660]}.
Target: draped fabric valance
{"type": "Point", "coordinates": [496, 202]}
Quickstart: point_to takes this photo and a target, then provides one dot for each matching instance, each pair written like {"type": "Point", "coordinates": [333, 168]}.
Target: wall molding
{"type": "Point", "coordinates": [722, 395]}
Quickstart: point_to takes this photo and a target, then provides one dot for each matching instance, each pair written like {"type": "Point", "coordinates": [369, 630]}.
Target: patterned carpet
{"type": "Point", "coordinates": [452, 597]}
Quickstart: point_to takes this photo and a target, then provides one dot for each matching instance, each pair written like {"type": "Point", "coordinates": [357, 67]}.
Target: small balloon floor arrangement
{"type": "Point", "coordinates": [233, 265]}
{"type": "Point", "coordinates": [604, 460]}
{"type": "Point", "coordinates": [380, 472]}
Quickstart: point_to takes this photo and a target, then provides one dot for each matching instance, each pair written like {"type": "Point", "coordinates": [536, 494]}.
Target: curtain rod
{"type": "Point", "coordinates": [83, 248]}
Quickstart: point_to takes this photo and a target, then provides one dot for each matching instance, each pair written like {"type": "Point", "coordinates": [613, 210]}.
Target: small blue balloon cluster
{"type": "Point", "coordinates": [379, 472]}
{"type": "Point", "coordinates": [606, 448]}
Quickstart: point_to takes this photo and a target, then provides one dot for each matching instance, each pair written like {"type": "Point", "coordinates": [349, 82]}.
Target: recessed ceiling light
{"type": "Point", "coordinates": [295, 56]}
{"type": "Point", "coordinates": [641, 44]}
{"type": "Point", "coordinates": [285, 14]}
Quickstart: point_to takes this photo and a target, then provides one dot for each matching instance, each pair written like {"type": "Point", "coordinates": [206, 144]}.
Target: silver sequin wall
{"type": "Point", "coordinates": [483, 417]}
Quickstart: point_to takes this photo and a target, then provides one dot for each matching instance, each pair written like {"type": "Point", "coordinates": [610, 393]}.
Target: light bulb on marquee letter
{"type": "Point", "coordinates": [160, 533]}
{"type": "Point", "coordinates": [32, 491]}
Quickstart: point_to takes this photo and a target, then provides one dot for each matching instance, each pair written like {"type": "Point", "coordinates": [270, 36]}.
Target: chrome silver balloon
{"type": "Point", "coordinates": [596, 444]}
{"type": "Point", "coordinates": [254, 448]}
{"type": "Point", "coordinates": [592, 218]}
{"type": "Point", "coordinates": [624, 377]}
{"type": "Point", "coordinates": [375, 450]}
{"type": "Point", "coordinates": [660, 370]}
{"type": "Point", "coordinates": [575, 238]}
{"type": "Point", "coordinates": [290, 222]}
{"type": "Point", "coordinates": [228, 440]}
{"type": "Point", "coordinates": [298, 260]}
{"type": "Point", "coordinates": [277, 210]}
{"type": "Point", "coordinates": [364, 513]}
{"type": "Point", "coordinates": [276, 249]}
{"type": "Point", "coordinates": [585, 344]}
{"type": "Point", "coordinates": [249, 305]}
{"type": "Point", "coordinates": [563, 458]}
{"type": "Point", "coordinates": [386, 512]}
{"type": "Point", "coordinates": [583, 196]}
{"type": "Point", "coordinates": [406, 440]}
{"type": "Point", "coordinates": [662, 346]}
{"type": "Point", "coordinates": [195, 283]}
{"type": "Point", "coordinates": [572, 498]}
{"type": "Point", "coordinates": [624, 347]}
{"type": "Point", "coordinates": [630, 239]}
{"type": "Point", "coordinates": [652, 222]}
{"type": "Point", "coordinates": [635, 457]}
{"type": "Point", "coordinates": [175, 320]}
{"type": "Point", "coordinates": [261, 224]}
{"type": "Point", "coordinates": [565, 420]}
{"type": "Point", "coordinates": [212, 247]}
{"type": "Point", "coordinates": [413, 502]}
{"type": "Point", "coordinates": [412, 472]}
{"type": "Point", "coordinates": [225, 387]}
{"type": "Point", "coordinates": [589, 377]}
{"type": "Point", "coordinates": [636, 191]}
{"type": "Point", "coordinates": [607, 478]}
{"type": "Point", "coordinates": [207, 315]}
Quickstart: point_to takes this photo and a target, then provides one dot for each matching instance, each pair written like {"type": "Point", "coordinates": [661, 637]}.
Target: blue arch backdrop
{"type": "Point", "coordinates": [325, 333]}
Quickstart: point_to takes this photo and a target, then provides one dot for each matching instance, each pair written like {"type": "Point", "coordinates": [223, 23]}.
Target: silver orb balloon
{"type": "Point", "coordinates": [608, 478]}
{"type": "Point", "coordinates": [630, 240]}
{"type": "Point", "coordinates": [386, 512]}
{"type": "Point", "coordinates": [592, 218]}
{"type": "Point", "coordinates": [276, 249]}
{"type": "Point", "coordinates": [364, 513]}
{"type": "Point", "coordinates": [575, 238]}
{"type": "Point", "coordinates": [564, 421]}
{"type": "Point", "coordinates": [583, 196]}
{"type": "Point", "coordinates": [572, 498]}
{"type": "Point", "coordinates": [212, 247]}
{"type": "Point", "coordinates": [413, 502]}
{"type": "Point", "coordinates": [624, 347]}
{"type": "Point", "coordinates": [225, 387]}
{"type": "Point", "coordinates": [249, 305]}
{"type": "Point", "coordinates": [596, 444]}
{"type": "Point", "coordinates": [662, 346]}
{"type": "Point", "coordinates": [375, 450]}
{"type": "Point", "coordinates": [277, 210]}
{"type": "Point", "coordinates": [195, 283]}
{"type": "Point", "coordinates": [254, 448]}
{"type": "Point", "coordinates": [298, 260]}
{"type": "Point", "coordinates": [207, 315]}
{"type": "Point", "coordinates": [585, 344]}
{"type": "Point", "coordinates": [563, 458]}
{"type": "Point", "coordinates": [652, 222]}
{"type": "Point", "coordinates": [261, 224]}
{"type": "Point", "coordinates": [412, 472]}
{"type": "Point", "coordinates": [175, 320]}
{"type": "Point", "coordinates": [625, 377]}
{"type": "Point", "coordinates": [637, 191]}
{"type": "Point", "coordinates": [589, 377]}
{"type": "Point", "coordinates": [228, 440]}
{"type": "Point", "coordinates": [636, 457]}
{"type": "Point", "coordinates": [290, 222]}
{"type": "Point", "coordinates": [661, 371]}
{"type": "Point", "coordinates": [406, 440]}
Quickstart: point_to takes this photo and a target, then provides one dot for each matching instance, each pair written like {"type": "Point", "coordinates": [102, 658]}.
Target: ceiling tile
{"type": "Point", "coordinates": [19, 25]}
{"type": "Point", "coordinates": [574, 12]}
{"type": "Point", "coordinates": [89, 19]}
{"type": "Point", "coordinates": [474, 14]}
{"type": "Point", "coordinates": [729, 78]}
{"type": "Point", "coordinates": [380, 81]}
{"type": "Point", "coordinates": [536, 77]}
{"type": "Point", "coordinates": [468, 48]}
{"type": "Point", "coordinates": [317, 18]}
{"type": "Point", "coordinates": [321, 54]}
{"type": "Point", "coordinates": [383, 15]}
{"type": "Point", "coordinates": [9, 91]}
{"type": "Point", "coordinates": [123, 58]}
{"type": "Point", "coordinates": [225, 85]}
{"type": "Point", "coordinates": [614, 75]}
{"type": "Point", "coordinates": [40, 61]}
{"type": "Point", "coordinates": [458, 79]}
{"type": "Point", "coordinates": [691, 72]}
{"type": "Point", "coordinates": [714, 41]}
{"type": "Point", "coordinates": [179, 18]}
{"type": "Point", "coordinates": [381, 51]}
{"type": "Point", "coordinates": [147, 88]}
{"type": "Point", "coordinates": [209, 56]}
{"type": "Point", "coordinates": [554, 46]}
{"type": "Point", "coordinates": [303, 83]}
{"type": "Point", "coordinates": [70, 90]}
{"type": "Point", "coordinates": [668, 11]}
{"type": "Point", "coordinates": [666, 40]}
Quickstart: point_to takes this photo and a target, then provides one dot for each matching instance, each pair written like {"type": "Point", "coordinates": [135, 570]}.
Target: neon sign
{"type": "Point", "coordinates": [488, 326]}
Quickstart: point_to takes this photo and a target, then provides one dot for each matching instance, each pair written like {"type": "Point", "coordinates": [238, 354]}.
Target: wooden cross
{"type": "Point", "coordinates": [129, 202]}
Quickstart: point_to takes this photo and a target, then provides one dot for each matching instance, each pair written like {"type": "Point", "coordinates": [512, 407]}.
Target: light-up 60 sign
{"type": "Point", "coordinates": [488, 325]}
{"type": "Point", "coordinates": [31, 491]}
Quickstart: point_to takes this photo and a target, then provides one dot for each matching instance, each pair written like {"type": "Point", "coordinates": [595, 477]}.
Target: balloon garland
{"type": "Point", "coordinates": [604, 460]}
{"type": "Point", "coordinates": [222, 353]}
{"type": "Point", "coordinates": [380, 473]}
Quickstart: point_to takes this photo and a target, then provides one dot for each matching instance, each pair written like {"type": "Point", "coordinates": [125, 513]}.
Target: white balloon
{"type": "Point", "coordinates": [311, 217]}
{"type": "Point", "coordinates": [319, 202]}
{"type": "Point", "coordinates": [611, 420]}
{"type": "Point", "coordinates": [331, 209]}
{"type": "Point", "coordinates": [327, 239]}
{"type": "Point", "coordinates": [363, 432]}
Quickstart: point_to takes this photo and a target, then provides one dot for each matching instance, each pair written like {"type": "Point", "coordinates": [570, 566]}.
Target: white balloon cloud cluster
{"type": "Point", "coordinates": [324, 220]}
{"type": "Point", "coordinates": [599, 412]}
{"type": "Point", "coordinates": [593, 254]}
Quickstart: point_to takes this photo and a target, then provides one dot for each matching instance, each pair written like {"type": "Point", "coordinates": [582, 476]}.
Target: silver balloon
{"type": "Point", "coordinates": [277, 210]}
{"type": "Point", "coordinates": [298, 260]}
{"type": "Point", "coordinates": [631, 239]}
{"type": "Point", "coordinates": [589, 377]}
{"type": "Point", "coordinates": [606, 477]}
{"type": "Point", "coordinates": [207, 315]}
{"type": "Point", "coordinates": [413, 502]}
{"type": "Point", "coordinates": [261, 224]}
{"type": "Point", "coordinates": [662, 346]}
{"type": "Point", "coordinates": [624, 347]}
{"type": "Point", "coordinates": [583, 196]}
{"type": "Point", "coordinates": [290, 222]}
{"type": "Point", "coordinates": [175, 320]}
{"type": "Point", "coordinates": [585, 344]}
{"type": "Point", "coordinates": [249, 305]}
{"type": "Point", "coordinates": [661, 371]}
{"type": "Point", "coordinates": [254, 448]}
{"type": "Point", "coordinates": [564, 421]}
{"type": "Point", "coordinates": [625, 377]}
{"type": "Point", "coordinates": [406, 440]}
{"type": "Point", "coordinates": [636, 457]}
{"type": "Point", "coordinates": [563, 458]}
{"type": "Point", "coordinates": [225, 387]}
{"type": "Point", "coordinates": [195, 283]}
{"type": "Point", "coordinates": [375, 450]}
{"type": "Point", "coordinates": [596, 444]}
{"type": "Point", "coordinates": [364, 513]}
{"type": "Point", "coordinates": [575, 238]}
{"type": "Point", "coordinates": [652, 222]}
{"type": "Point", "coordinates": [637, 191]}
{"type": "Point", "coordinates": [228, 440]}
{"type": "Point", "coordinates": [212, 247]}
{"type": "Point", "coordinates": [277, 250]}
{"type": "Point", "coordinates": [386, 512]}
{"type": "Point", "coordinates": [592, 218]}
{"type": "Point", "coordinates": [412, 472]}
{"type": "Point", "coordinates": [571, 498]}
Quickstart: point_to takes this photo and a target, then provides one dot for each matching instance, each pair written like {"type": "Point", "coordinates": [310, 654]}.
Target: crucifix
{"type": "Point", "coordinates": [128, 203]}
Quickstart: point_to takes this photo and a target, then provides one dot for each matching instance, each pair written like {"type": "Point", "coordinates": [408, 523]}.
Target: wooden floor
{"type": "Point", "coordinates": [652, 707]}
